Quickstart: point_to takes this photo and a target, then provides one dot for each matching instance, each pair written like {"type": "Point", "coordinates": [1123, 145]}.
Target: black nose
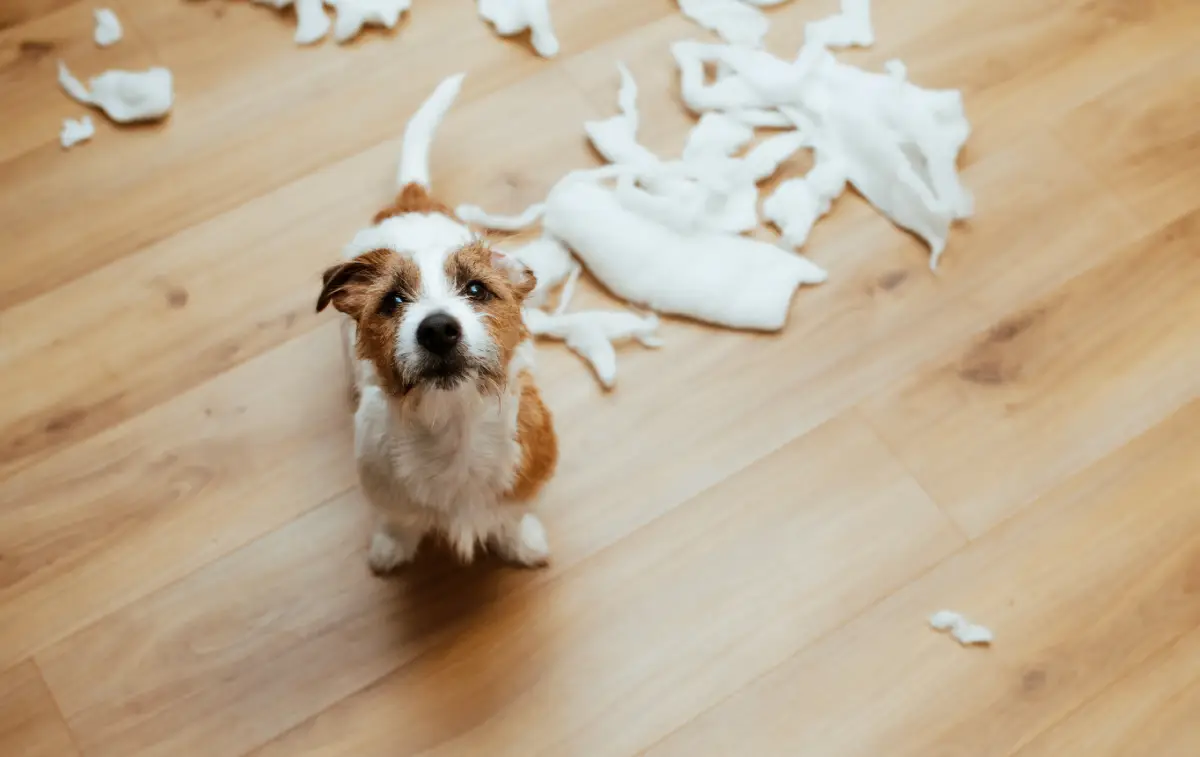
{"type": "Point", "coordinates": [439, 333]}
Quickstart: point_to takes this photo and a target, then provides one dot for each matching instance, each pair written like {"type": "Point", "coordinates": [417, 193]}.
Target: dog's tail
{"type": "Point", "coordinates": [418, 135]}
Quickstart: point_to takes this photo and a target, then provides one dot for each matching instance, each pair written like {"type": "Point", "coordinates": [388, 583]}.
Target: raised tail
{"type": "Point", "coordinates": [418, 135]}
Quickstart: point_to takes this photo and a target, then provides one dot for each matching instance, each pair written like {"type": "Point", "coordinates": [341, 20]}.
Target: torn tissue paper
{"type": "Point", "coordinates": [510, 17]}
{"type": "Point", "coordinates": [591, 334]}
{"type": "Point", "coordinates": [719, 278]}
{"type": "Point", "coordinates": [666, 233]}
{"type": "Point", "coordinates": [353, 15]}
{"type": "Point", "coordinates": [964, 631]}
{"type": "Point", "coordinates": [73, 132]}
{"type": "Point", "coordinates": [616, 138]}
{"type": "Point", "coordinates": [797, 204]}
{"type": "Point", "coordinates": [896, 143]}
{"type": "Point", "coordinates": [734, 21]}
{"type": "Point", "coordinates": [550, 263]}
{"type": "Point", "coordinates": [312, 23]}
{"type": "Point", "coordinates": [108, 27]}
{"type": "Point", "coordinates": [851, 27]}
{"type": "Point", "coordinates": [124, 96]}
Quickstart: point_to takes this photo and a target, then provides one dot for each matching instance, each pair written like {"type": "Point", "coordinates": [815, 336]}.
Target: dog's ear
{"type": "Point", "coordinates": [522, 279]}
{"type": "Point", "coordinates": [345, 284]}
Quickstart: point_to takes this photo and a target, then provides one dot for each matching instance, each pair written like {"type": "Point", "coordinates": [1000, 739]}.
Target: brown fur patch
{"type": "Point", "coordinates": [413, 198]}
{"type": "Point", "coordinates": [361, 289]}
{"type": "Point", "coordinates": [539, 445]}
{"type": "Point", "coordinates": [502, 308]}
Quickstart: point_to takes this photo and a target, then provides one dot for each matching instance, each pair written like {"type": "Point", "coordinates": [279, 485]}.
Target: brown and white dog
{"type": "Point", "coordinates": [451, 435]}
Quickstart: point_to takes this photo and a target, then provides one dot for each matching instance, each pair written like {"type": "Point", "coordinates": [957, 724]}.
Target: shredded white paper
{"type": "Point", "coordinates": [507, 17]}
{"type": "Point", "coordinates": [76, 131]}
{"type": "Point", "coordinates": [591, 334]}
{"type": "Point", "coordinates": [353, 15]}
{"type": "Point", "coordinates": [667, 233]}
{"type": "Point", "coordinates": [851, 27]}
{"type": "Point", "coordinates": [108, 27]}
{"type": "Point", "coordinates": [734, 21]}
{"type": "Point", "coordinates": [510, 17]}
{"type": "Point", "coordinates": [963, 630]}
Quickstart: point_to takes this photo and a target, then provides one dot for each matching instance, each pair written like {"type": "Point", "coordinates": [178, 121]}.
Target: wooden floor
{"type": "Point", "coordinates": [750, 532]}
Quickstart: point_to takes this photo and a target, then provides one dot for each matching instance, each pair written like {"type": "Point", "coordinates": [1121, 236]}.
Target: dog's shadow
{"type": "Point", "coordinates": [471, 639]}
{"type": "Point", "coordinates": [437, 593]}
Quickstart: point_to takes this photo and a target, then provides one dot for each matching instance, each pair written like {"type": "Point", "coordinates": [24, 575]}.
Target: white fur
{"type": "Point", "coordinates": [439, 459]}
{"type": "Point", "coordinates": [443, 463]}
{"type": "Point", "coordinates": [439, 296]}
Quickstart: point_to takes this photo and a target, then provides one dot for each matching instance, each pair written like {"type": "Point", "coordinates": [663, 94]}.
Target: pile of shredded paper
{"type": "Point", "coordinates": [667, 234]}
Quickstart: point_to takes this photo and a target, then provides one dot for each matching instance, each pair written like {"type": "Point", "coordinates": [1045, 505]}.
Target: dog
{"type": "Point", "coordinates": [451, 434]}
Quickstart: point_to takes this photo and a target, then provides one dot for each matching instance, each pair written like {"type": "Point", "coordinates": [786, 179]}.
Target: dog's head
{"type": "Point", "coordinates": [433, 319]}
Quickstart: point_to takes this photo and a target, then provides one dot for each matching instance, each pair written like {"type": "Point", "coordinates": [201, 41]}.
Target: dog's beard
{"type": "Point", "coordinates": [447, 373]}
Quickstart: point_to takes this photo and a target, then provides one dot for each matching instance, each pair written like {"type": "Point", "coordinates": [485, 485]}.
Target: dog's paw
{"type": "Point", "coordinates": [526, 543]}
{"type": "Point", "coordinates": [386, 553]}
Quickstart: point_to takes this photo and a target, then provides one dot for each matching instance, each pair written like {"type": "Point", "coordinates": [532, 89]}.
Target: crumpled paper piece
{"type": "Point", "coordinates": [797, 204]}
{"type": "Point", "coordinates": [849, 28]}
{"type": "Point", "coordinates": [123, 96]}
{"type": "Point", "coordinates": [353, 15]}
{"type": "Point", "coordinates": [510, 17]}
{"type": "Point", "coordinates": [108, 27]}
{"type": "Point", "coordinates": [76, 131]}
{"type": "Point", "coordinates": [550, 263]}
{"type": "Point", "coordinates": [716, 134]}
{"type": "Point", "coordinates": [736, 22]}
{"type": "Point", "coordinates": [615, 138]}
{"type": "Point", "coordinates": [718, 278]}
{"type": "Point", "coordinates": [963, 630]}
{"type": "Point", "coordinates": [591, 334]}
{"type": "Point", "coordinates": [312, 23]}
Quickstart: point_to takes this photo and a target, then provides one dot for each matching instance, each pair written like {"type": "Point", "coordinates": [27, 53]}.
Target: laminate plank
{"type": "Point", "coordinates": [1151, 711]}
{"type": "Point", "coordinates": [698, 601]}
{"type": "Point", "coordinates": [1080, 589]}
{"type": "Point", "coordinates": [1054, 385]}
{"type": "Point", "coordinates": [110, 344]}
{"type": "Point", "coordinates": [30, 724]}
{"type": "Point", "coordinates": [86, 531]}
{"type": "Point", "coordinates": [244, 124]}
{"type": "Point", "coordinates": [1142, 138]}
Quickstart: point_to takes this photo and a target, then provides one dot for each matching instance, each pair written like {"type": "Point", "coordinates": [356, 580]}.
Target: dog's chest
{"type": "Point", "coordinates": [448, 453]}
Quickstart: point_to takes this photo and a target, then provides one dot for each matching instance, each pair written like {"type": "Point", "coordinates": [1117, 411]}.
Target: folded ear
{"type": "Point", "coordinates": [518, 274]}
{"type": "Point", "coordinates": [345, 284]}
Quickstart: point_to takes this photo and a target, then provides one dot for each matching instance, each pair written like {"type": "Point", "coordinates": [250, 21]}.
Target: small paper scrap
{"type": "Point", "coordinates": [124, 96]}
{"type": "Point", "coordinates": [108, 27]}
{"type": "Point", "coordinates": [509, 17]}
{"type": "Point", "coordinates": [966, 632]}
{"type": "Point", "coordinates": [76, 131]}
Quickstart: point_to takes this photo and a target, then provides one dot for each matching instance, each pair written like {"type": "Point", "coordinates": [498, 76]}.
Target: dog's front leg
{"type": "Point", "coordinates": [521, 538]}
{"type": "Point", "coordinates": [393, 544]}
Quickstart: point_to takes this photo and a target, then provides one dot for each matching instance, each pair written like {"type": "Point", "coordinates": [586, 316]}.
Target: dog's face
{"type": "Point", "coordinates": [433, 319]}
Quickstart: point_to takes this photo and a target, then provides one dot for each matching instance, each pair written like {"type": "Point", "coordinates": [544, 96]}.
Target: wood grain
{"type": "Point", "coordinates": [1071, 614]}
{"type": "Point", "coordinates": [30, 723]}
{"type": "Point", "coordinates": [748, 534]}
{"type": "Point", "coordinates": [1029, 380]}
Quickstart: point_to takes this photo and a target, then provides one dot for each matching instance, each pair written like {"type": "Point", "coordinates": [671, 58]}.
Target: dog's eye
{"type": "Point", "coordinates": [391, 301]}
{"type": "Point", "coordinates": [477, 291]}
